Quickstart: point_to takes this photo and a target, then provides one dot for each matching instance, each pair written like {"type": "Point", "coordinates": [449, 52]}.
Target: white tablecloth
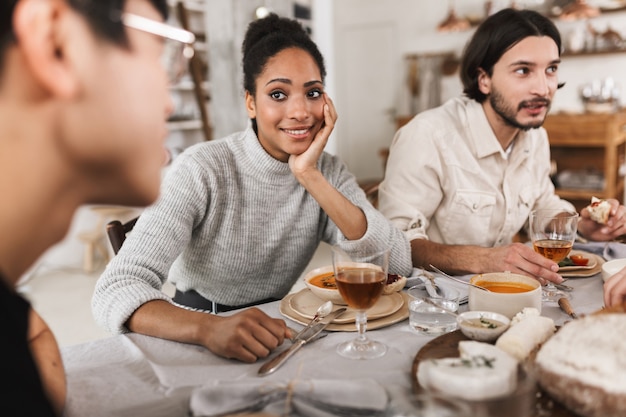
{"type": "Point", "coordinates": [136, 375]}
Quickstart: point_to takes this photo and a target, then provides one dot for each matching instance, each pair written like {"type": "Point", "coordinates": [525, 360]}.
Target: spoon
{"type": "Point", "coordinates": [458, 280]}
{"type": "Point", "coordinates": [322, 311]}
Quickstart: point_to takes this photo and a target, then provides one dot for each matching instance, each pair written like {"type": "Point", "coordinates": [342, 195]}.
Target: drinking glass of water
{"type": "Point", "coordinates": [433, 314]}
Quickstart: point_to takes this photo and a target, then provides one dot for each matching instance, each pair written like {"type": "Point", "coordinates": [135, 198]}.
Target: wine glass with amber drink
{"type": "Point", "coordinates": [552, 233]}
{"type": "Point", "coordinates": [361, 277]}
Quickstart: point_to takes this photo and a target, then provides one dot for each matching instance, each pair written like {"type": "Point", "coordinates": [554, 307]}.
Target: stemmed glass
{"type": "Point", "coordinates": [552, 233]}
{"type": "Point", "coordinates": [361, 277]}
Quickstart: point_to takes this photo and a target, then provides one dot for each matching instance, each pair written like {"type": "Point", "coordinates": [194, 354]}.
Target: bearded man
{"type": "Point", "coordinates": [462, 179]}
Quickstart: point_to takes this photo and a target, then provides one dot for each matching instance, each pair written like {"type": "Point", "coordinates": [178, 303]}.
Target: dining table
{"type": "Point", "coordinates": [136, 375]}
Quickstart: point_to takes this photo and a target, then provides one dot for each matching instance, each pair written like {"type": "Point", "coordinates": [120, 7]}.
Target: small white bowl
{"type": "Point", "coordinates": [326, 294]}
{"type": "Point", "coordinates": [508, 304]}
{"type": "Point", "coordinates": [482, 333]}
{"type": "Point", "coordinates": [611, 268]}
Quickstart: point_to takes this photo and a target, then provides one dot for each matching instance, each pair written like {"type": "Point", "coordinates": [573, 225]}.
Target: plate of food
{"type": "Point", "coordinates": [306, 303]}
{"type": "Point", "coordinates": [401, 314]}
{"type": "Point", "coordinates": [580, 264]}
{"type": "Point", "coordinates": [492, 379]}
{"type": "Point", "coordinates": [577, 260]}
{"type": "Point", "coordinates": [447, 346]}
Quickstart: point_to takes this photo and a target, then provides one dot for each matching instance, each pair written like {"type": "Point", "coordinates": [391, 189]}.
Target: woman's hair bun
{"type": "Point", "coordinates": [272, 25]}
{"type": "Point", "coordinates": [267, 37]}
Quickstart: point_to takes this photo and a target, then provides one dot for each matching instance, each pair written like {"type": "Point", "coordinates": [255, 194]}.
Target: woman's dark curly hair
{"type": "Point", "coordinates": [496, 35]}
{"type": "Point", "coordinates": [268, 36]}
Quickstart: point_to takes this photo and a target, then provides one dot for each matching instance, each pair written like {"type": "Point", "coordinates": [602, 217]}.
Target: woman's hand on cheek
{"type": "Point", "coordinates": [307, 160]}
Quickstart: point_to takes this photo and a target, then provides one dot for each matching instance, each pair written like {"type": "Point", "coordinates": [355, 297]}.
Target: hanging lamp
{"type": "Point", "coordinates": [453, 23]}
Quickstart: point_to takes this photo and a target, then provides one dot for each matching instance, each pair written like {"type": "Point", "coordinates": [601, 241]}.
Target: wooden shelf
{"type": "Point", "coordinates": [589, 141]}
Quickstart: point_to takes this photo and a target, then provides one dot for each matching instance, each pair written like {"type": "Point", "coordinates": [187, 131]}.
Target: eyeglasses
{"type": "Point", "coordinates": [178, 47]}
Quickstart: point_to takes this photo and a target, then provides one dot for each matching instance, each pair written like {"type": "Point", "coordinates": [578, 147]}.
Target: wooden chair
{"type": "Point", "coordinates": [371, 191]}
{"type": "Point", "coordinates": [117, 231]}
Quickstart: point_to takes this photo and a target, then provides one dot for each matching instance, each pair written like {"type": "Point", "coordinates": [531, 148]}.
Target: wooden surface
{"type": "Point", "coordinates": [446, 346]}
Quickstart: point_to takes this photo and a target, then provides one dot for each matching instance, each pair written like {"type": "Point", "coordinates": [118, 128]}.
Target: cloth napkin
{"type": "Point", "coordinates": [417, 277]}
{"type": "Point", "coordinates": [608, 250]}
{"type": "Point", "coordinates": [311, 398]}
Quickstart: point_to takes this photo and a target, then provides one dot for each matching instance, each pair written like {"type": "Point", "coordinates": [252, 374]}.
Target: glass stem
{"type": "Point", "coordinates": [361, 325]}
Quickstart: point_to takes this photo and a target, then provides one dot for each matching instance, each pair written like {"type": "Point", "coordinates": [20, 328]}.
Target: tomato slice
{"type": "Point", "coordinates": [579, 260]}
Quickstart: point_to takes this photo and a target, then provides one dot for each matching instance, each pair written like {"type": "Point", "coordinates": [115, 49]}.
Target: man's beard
{"type": "Point", "coordinates": [508, 114]}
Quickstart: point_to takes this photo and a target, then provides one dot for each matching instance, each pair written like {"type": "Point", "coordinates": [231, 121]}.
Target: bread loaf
{"type": "Point", "coordinates": [527, 332]}
{"type": "Point", "coordinates": [584, 365]}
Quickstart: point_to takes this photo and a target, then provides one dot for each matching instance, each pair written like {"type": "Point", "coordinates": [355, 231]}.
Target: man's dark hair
{"type": "Point", "coordinates": [101, 15]}
{"type": "Point", "coordinates": [496, 35]}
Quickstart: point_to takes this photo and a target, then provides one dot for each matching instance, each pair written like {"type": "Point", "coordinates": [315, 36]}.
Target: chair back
{"type": "Point", "coordinates": [117, 231]}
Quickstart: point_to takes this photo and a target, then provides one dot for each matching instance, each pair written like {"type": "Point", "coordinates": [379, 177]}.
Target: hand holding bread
{"type": "Point", "coordinates": [602, 220]}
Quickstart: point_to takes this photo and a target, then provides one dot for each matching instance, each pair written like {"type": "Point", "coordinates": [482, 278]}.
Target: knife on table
{"type": "Point", "coordinates": [302, 339]}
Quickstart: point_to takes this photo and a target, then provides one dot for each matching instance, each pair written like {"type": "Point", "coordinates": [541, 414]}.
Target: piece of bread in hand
{"type": "Point", "coordinates": [599, 210]}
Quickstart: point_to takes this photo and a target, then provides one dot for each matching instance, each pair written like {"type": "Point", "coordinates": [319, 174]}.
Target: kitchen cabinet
{"type": "Point", "coordinates": [588, 145]}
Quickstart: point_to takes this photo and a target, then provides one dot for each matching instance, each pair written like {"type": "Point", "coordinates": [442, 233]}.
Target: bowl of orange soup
{"type": "Point", "coordinates": [508, 293]}
{"type": "Point", "coordinates": [321, 282]}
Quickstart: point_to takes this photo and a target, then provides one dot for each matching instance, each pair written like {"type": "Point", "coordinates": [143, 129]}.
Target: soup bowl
{"type": "Point", "coordinates": [508, 293]}
{"type": "Point", "coordinates": [321, 282]}
{"type": "Point", "coordinates": [611, 268]}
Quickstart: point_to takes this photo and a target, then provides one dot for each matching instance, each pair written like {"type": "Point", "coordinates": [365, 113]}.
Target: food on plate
{"type": "Point", "coordinates": [483, 326]}
{"type": "Point", "coordinates": [325, 280]}
{"type": "Point", "coordinates": [481, 372]}
{"type": "Point", "coordinates": [395, 283]}
{"type": "Point", "coordinates": [579, 260]}
{"type": "Point", "coordinates": [521, 291]}
{"type": "Point", "coordinates": [584, 365]}
{"type": "Point", "coordinates": [528, 330]}
{"type": "Point", "coordinates": [505, 287]}
{"type": "Point", "coordinates": [599, 210]}
{"type": "Point", "coordinates": [574, 260]}
{"type": "Point", "coordinates": [321, 282]}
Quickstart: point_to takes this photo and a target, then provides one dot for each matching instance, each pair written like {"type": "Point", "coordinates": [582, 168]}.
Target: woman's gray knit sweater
{"type": "Point", "coordinates": [235, 225]}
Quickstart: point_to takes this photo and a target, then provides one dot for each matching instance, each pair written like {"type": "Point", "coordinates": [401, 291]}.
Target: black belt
{"type": "Point", "coordinates": [194, 300]}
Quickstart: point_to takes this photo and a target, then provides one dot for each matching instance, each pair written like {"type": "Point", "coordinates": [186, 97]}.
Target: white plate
{"type": "Point", "coordinates": [593, 261]}
{"type": "Point", "coordinates": [400, 315]}
{"type": "Point", "coordinates": [584, 272]}
{"type": "Point", "coordinates": [305, 303]}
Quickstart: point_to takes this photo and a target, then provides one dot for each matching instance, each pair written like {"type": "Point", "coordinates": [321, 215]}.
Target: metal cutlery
{"type": "Point", "coordinates": [303, 338]}
{"type": "Point", "coordinates": [563, 287]}
{"type": "Point", "coordinates": [431, 287]}
{"type": "Point", "coordinates": [456, 279]}
{"type": "Point", "coordinates": [322, 311]}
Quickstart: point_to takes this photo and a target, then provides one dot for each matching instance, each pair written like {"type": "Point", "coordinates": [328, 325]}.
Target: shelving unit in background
{"type": "Point", "coordinates": [190, 122]}
{"type": "Point", "coordinates": [589, 142]}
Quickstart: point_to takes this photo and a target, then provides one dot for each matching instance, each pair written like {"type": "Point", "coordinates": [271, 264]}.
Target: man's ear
{"type": "Point", "coordinates": [38, 27]}
{"type": "Point", "coordinates": [250, 105]}
{"type": "Point", "coordinates": [484, 81]}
